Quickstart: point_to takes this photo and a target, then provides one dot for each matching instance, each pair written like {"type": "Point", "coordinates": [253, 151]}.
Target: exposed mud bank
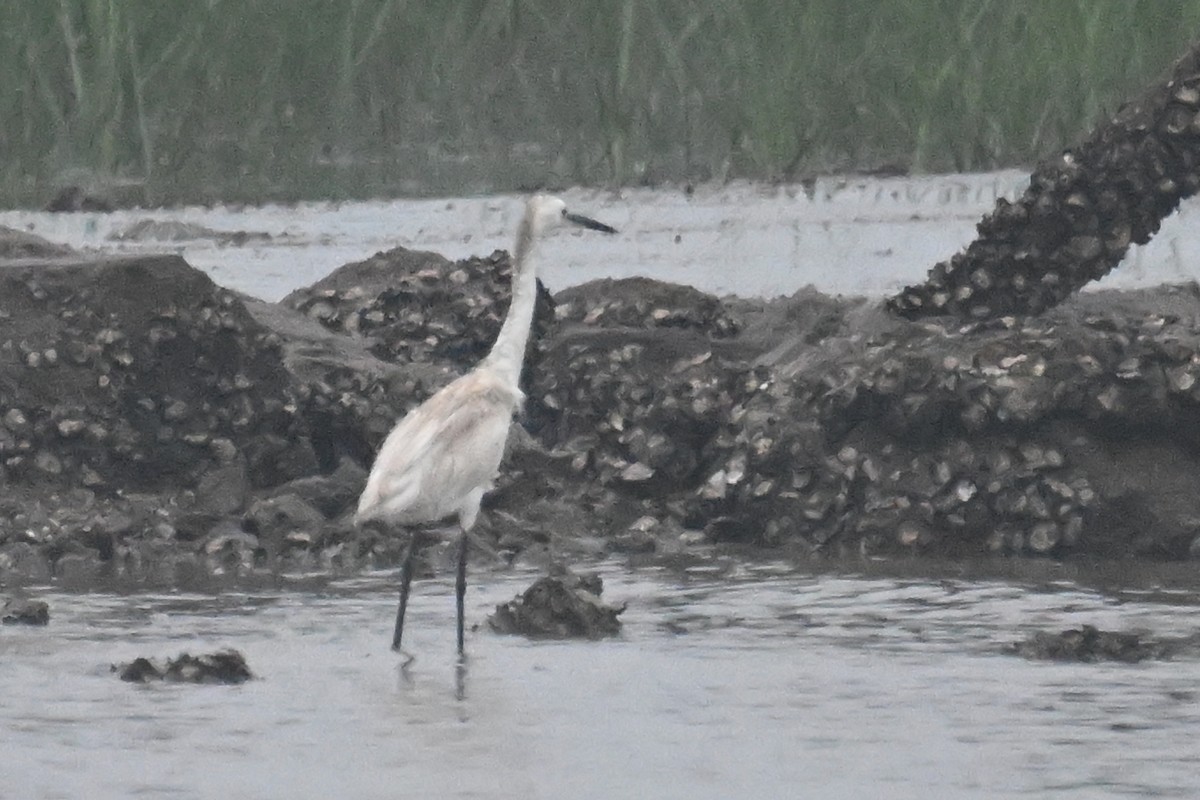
{"type": "Point", "coordinates": [153, 422]}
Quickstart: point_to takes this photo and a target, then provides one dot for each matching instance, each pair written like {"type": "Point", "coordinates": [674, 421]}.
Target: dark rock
{"type": "Point", "coordinates": [80, 567]}
{"type": "Point", "coordinates": [222, 666]}
{"type": "Point", "coordinates": [222, 490]}
{"type": "Point", "coordinates": [1088, 644]}
{"type": "Point", "coordinates": [272, 459]}
{"type": "Point", "coordinates": [25, 612]}
{"type": "Point", "coordinates": [560, 606]}
{"type": "Point", "coordinates": [332, 494]}
{"type": "Point", "coordinates": [283, 521]}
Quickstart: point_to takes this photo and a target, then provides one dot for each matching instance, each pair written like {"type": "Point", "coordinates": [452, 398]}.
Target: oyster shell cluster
{"type": "Point", "coordinates": [226, 666]}
{"type": "Point", "coordinates": [1079, 215]}
{"type": "Point", "coordinates": [182, 427]}
{"type": "Point", "coordinates": [417, 307]}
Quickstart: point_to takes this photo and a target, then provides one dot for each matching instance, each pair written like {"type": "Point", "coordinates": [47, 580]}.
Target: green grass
{"type": "Point", "coordinates": [284, 99]}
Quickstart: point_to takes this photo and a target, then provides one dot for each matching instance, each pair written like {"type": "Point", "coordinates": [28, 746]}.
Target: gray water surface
{"type": "Point", "coordinates": [761, 683]}
{"type": "Point", "coordinates": [847, 235]}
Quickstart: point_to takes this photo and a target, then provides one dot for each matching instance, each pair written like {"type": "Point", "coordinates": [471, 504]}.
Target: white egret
{"type": "Point", "coordinates": [442, 457]}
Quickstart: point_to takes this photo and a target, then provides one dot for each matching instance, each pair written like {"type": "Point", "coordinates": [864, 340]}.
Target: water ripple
{"type": "Point", "coordinates": [767, 680]}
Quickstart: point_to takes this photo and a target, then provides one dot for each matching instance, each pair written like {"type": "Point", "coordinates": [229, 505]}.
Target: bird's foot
{"type": "Point", "coordinates": [406, 657]}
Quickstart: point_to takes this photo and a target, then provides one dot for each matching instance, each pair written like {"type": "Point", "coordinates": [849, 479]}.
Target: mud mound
{"type": "Point", "coordinates": [139, 373]}
{"type": "Point", "coordinates": [147, 418]}
{"type": "Point", "coordinates": [1044, 436]}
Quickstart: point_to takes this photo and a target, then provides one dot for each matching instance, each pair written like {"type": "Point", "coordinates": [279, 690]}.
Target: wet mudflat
{"type": "Point", "coordinates": [765, 678]}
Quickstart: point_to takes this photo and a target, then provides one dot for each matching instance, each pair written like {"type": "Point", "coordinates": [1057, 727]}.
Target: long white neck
{"type": "Point", "coordinates": [507, 356]}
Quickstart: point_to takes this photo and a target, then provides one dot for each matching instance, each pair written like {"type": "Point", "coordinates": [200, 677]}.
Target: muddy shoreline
{"type": "Point", "coordinates": [155, 424]}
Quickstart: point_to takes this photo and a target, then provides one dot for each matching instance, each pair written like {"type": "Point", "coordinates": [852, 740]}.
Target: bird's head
{"type": "Point", "coordinates": [547, 212]}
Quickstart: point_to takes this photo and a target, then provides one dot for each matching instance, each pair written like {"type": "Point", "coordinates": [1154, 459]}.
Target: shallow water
{"type": "Point", "coordinates": [763, 682]}
{"type": "Point", "coordinates": [851, 235]}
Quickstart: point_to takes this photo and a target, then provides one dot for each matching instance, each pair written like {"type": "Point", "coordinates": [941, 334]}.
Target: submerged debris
{"type": "Point", "coordinates": [561, 606]}
{"type": "Point", "coordinates": [1089, 644]}
{"type": "Point", "coordinates": [25, 612]}
{"type": "Point", "coordinates": [223, 666]}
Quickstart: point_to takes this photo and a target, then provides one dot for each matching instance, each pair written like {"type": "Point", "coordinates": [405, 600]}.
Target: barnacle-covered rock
{"type": "Point", "coordinates": [222, 666]}
{"type": "Point", "coordinates": [635, 382]}
{"type": "Point", "coordinates": [1040, 436]}
{"type": "Point", "coordinates": [1080, 213]}
{"type": "Point", "coordinates": [559, 606]}
{"type": "Point", "coordinates": [633, 409]}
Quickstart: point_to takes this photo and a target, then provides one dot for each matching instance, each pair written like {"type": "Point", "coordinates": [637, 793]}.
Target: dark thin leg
{"type": "Point", "coordinates": [460, 588]}
{"type": "Point", "coordinates": [406, 570]}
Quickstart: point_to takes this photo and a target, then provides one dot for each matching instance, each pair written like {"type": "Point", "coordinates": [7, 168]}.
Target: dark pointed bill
{"type": "Point", "coordinates": [588, 222]}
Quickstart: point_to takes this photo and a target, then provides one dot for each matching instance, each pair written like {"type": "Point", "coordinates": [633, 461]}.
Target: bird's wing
{"type": "Point", "coordinates": [441, 452]}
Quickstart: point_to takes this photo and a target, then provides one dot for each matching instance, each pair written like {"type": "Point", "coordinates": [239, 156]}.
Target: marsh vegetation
{"type": "Point", "coordinates": [287, 99]}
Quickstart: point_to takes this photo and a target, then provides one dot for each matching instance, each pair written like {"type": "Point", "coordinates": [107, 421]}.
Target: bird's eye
{"type": "Point", "coordinates": [564, 212]}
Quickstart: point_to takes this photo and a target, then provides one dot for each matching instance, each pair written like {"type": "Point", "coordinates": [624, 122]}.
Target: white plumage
{"type": "Point", "coordinates": [444, 455]}
{"type": "Point", "coordinates": [441, 458]}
